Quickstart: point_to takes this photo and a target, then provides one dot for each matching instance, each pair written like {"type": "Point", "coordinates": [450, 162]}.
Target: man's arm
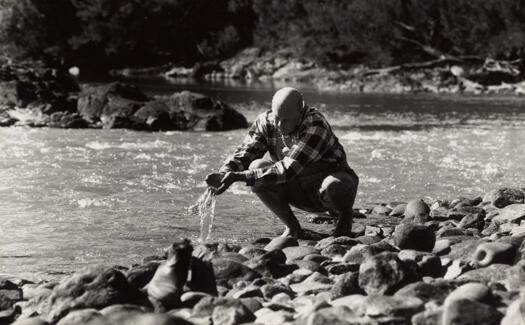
{"type": "Point", "coordinates": [313, 143]}
{"type": "Point", "coordinates": [254, 146]}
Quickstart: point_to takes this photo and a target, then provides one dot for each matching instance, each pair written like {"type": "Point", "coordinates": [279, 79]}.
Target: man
{"type": "Point", "coordinates": [307, 166]}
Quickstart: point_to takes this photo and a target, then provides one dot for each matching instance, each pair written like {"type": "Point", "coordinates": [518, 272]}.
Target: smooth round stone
{"type": "Point", "coordinates": [280, 243]}
{"type": "Point", "coordinates": [381, 209]}
{"type": "Point", "coordinates": [417, 210]}
{"type": "Point", "coordinates": [398, 210]}
{"type": "Point", "coordinates": [413, 236]}
{"type": "Point", "coordinates": [473, 291]}
{"type": "Point", "coordinates": [493, 252]}
{"type": "Point", "coordinates": [464, 311]}
{"type": "Point", "coordinates": [318, 258]}
{"type": "Point", "coordinates": [441, 247]}
{"type": "Point", "coordinates": [298, 252]}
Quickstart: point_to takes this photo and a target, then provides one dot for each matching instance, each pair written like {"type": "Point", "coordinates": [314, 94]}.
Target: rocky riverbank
{"type": "Point", "coordinates": [38, 96]}
{"type": "Point", "coordinates": [446, 75]}
{"type": "Point", "coordinates": [457, 262]}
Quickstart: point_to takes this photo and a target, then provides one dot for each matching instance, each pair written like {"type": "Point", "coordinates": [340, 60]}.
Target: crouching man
{"type": "Point", "coordinates": [306, 168]}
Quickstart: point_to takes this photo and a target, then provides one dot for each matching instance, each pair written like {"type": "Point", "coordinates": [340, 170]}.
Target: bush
{"type": "Point", "coordinates": [114, 33]}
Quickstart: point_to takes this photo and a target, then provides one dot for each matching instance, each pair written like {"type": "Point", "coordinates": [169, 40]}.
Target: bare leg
{"type": "Point", "coordinates": [275, 199]}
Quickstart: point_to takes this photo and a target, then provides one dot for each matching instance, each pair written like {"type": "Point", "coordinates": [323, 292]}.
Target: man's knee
{"type": "Point", "coordinates": [260, 163]}
{"type": "Point", "coordinates": [339, 191]}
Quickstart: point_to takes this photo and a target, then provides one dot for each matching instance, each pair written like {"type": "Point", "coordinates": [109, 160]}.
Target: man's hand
{"type": "Point", "coordinates": [223, 183]}
{"type": "Point", "coordinates": [214, 179]}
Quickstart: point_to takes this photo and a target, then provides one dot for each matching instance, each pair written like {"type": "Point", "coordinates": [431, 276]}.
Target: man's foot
{"type": "Point", "coordinates": [289, 233]}
{"type": "Point", "coordinates": [312, 235]}
{"type": "Point", "coordinates": [343, 226]}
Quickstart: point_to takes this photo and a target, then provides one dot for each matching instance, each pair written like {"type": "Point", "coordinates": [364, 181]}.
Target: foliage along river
{"type": "Point", "coordinates": [70, 198]}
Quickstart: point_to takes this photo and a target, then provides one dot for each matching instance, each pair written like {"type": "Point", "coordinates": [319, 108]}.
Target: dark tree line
{"type": "Point", "coordinates": [114, 33]}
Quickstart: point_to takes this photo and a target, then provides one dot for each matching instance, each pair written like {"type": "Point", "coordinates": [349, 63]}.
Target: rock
{"type": "Point", "coordinates": [334, 250]}
{"type": "Point", "coordinates": [346, 284]}
{"type": "Point", "coordinates": [470, 291]}
{"type": "Point", "coordinates": [381, 209]}
{"type": "Point", "coordinates": [436, 291]}
{"type": "Point", "coordinates": [251, 252]}
{"type": "Point", "coordinates": [466, 311]}
{"type": "Point", "coordinates": [271, 264]}
{"type": "Point", "coordinates": [89, 288]}
{"type": "Point", "coordinates": [429, 264]}
{"type": "Point", "coordinates": [118, 99]}
{"type": "Point", "coordinates": [511, 213]}
{"type": "Point", "coordinates": [228, 272]}
{"type": "Point", "coordinates": [31, 321]}
{"type": "Point", "coordinates": [158, 116]}
{"type": "Point", "coordinates": [298, 252]}
{"type": "Point", "coordinates": [309, 265]}
{"type": "Point", "coordinates": [417, 211]}
{"type": "Point", "coordinates": [450, 231]}
{"type": "Point", "coordinates": [412, 236]}
{"type": "Point", "coordinates": [206, 113]}
{"type": "Point", "coordinates": [461, 211]}
{"type": "Point", "coordinates": [280, 243]}
{"type": "Point", "coordinates": [229, 315]}
{"type": "Point", "coordinates": [318, 258]}
{"type": "Point", "coordinates": [342, 240]}
{"type": "Point", "coordinates": [473, 220]}
{"type": "Point", "coordinates": [207, 305]}
{"type": "Point", "coordinates": [316, 282]}
{"type": "Point", "coordinates": [428, 317]}
{"type": "Point", "coordinates": [83, 316]}
{"type": "Point", "coordinates": [341, 268]}
{"type": "Point", "coordinates": [9, 294]}
{"type": "Point", "coordinates": [384, 273]}
{"type": "Point", "coordinates": [140, 275]}
{"type": "Point", "coordinates": [271, 290]}
{"type": "Point", "coordinates": [441, 247]}
{"type": "Point", "coordinates": [493, 252]}
{"type": "Point", "coordinates": [340, 315]}
{"type": "Point", "coordinates": [398, 210]}
{"type": "Point", "coordinates": [369, 240]}
{"type": "Point", "coordinates": [270, 317]}
{"type": "Point", "coordinates": [455, 269]}
{"type": "Point", "coordinates": [202, 276]}
{"type": "Point", "coordinates": [504, 196]}
{"type": "Point", "coordinates": [144, 319]}
{"type": "Point", "coordinates": [379, 305]}
{"type": "Point", "coordinates": [491, 273]}
{"type": "Point", "coordinates": [514, 315]}
{"type": "Point", "coordinates": [166, 286]}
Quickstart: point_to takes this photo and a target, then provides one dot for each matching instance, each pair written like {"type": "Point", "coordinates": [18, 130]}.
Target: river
{"type": "Point", "coordinates": [71, 198]}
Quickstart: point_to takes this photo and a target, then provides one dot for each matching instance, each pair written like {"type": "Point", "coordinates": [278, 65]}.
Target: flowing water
{"type": "Point", "coordinates": [204, 208]}
{"type": "Point", "coordinates": [70, 198]}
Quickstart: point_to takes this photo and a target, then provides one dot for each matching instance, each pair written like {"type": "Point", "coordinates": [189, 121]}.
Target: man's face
{"type": "Point", "coordinates": [287, 106]}
{"type": "Point", "coordinates": [287, 120]}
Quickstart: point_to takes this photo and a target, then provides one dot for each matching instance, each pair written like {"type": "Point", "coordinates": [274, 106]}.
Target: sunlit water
{"type": "Point", "coordinates": [69, 198]}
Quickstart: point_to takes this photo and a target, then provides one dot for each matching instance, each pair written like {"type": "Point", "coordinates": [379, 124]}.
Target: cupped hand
{"type": "Point", "coordinates": [214, 179]}
{"type": "Point", "coordinates": [228, 179]}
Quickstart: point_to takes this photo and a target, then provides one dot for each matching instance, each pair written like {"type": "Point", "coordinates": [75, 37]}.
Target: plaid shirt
{"type": "Point", "coordinates": [313, 141]}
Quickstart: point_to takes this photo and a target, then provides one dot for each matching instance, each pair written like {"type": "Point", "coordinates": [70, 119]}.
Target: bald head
{"type": "Point", "coordinates": [286, 100]}
{"type": "Point", "coordinates": [287, 108]}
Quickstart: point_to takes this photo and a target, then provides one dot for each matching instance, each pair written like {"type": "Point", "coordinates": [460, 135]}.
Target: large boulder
{"type": "Point", "coordinates": [414, 236]}
{"type": "Point", "coordinates": [511, 213]}
{"type": "Point", "coordinates": [504, 196]}
{"type": "Point", "coordinates": [385, 273]}
{"type": "Point", "coordinates": [416, 211]}
{"type": "Point", "coordinates": [227, 272]}
{"type": "Point", "coordinates": [97, 103]}
{"type": "Point", "coordinates": [95, 287]}
{"type": "Point", "coordinates": [205, 113]}
{"type": "Point", "coordinates": [31, 82]}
